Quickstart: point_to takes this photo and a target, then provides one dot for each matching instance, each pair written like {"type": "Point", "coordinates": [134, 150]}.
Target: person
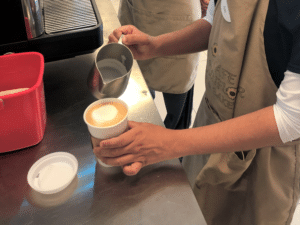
{"type": "Point", "coordinates": [174, 76]}
{"type": "Point", "coordinates": [245, 146]}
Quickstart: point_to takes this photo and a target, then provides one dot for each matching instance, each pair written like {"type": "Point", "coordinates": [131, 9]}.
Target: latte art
{"type": "Point", "coordinates": [106, 114]}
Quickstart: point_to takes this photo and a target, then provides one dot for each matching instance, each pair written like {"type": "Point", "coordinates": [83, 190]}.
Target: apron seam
{"type": "Point", "coordinates": [294, 182]}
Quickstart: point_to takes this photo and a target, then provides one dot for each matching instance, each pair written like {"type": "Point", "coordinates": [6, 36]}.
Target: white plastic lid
{"type": "Point", "coordinates": [52, 173]}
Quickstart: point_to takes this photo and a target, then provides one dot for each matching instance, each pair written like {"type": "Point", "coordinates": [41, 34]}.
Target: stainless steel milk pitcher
{"type": "Point", "coordinates": [111, 71]}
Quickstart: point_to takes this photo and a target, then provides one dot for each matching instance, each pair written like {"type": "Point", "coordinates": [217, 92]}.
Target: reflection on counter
{"type": "Point", "coordinates": [117, 197]}
{"type": "Point", "coordinates": [13, 181]}
{"type": "Point", "coordinates": [132, 94]}
{"type": "Point", "coordinates": [50, 200]}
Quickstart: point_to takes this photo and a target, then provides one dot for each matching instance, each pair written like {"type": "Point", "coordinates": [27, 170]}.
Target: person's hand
{"type": "Point", "coordinates": [141, 44]}
{"type": "Point", "coordinates": [143, 144]}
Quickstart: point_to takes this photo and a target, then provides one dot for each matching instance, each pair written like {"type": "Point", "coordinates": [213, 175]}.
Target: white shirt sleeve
{"type": "Point", "coordinates": [210, 12]}
{"type": "Point", "coordinates": [287, 107]}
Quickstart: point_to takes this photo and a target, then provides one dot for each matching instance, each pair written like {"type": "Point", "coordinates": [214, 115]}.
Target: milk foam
{"type": "Point", "coordinates": [104, 113]}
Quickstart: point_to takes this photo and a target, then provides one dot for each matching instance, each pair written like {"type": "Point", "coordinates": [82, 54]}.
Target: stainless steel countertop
{"type": "Point", "coordinates": [158, 194]}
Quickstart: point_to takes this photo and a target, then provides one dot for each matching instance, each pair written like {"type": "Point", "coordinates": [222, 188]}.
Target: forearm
{"type": "Point", "coordinates": [254, 130]}
{"type": "Point", "coordinates": [191, 39]}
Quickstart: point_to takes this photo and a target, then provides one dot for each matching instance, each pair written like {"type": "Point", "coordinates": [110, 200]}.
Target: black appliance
{"type": "Point", "coordinates": [58, 29]}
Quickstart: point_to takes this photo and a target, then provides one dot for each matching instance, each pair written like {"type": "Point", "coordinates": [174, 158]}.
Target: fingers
{"type": "Point", "coordinates": [114, 37]}
{"type": "Point", "coordinates": [121, 150]}
{"type": "Point", "coordinates": [116, 34]}
{"type": "Point", "coordinates": [133, 39]}
{"type": "Point", "coordinates": [132, 169]}
{"type": "Point", "coordinates": [133, 124]}
{"type": "Point", "coordinates": [123, 140]}
{"type": "Point", "coordinates": [118, 142]}
{"type": "Point", "coordinates": [116, 147]}
{"type": "Point", "coordinates": [132, 36]}
{"type": "Point", "coordinates": [117, 161]}
{"type": "Point", "coordinates": [122, 160]}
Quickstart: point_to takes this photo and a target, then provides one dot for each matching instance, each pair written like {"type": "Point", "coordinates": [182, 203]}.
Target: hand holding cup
{"type": "Point", "coordinates": [106, 118]}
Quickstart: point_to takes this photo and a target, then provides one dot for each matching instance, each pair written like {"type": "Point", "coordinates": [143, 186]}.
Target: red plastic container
{"type": "Point", "coordinates": [22, 114]}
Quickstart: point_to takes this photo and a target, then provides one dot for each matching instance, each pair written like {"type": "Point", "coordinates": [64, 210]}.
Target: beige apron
{"type": "Point", "coordinates": [255, 187]}
{"type": "Point", "coordinates": [174, 74]}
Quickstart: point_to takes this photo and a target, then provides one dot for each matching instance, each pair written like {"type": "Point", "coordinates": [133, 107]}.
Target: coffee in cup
{"type": "Point", "coordinates": [106, 118]}
{"type": "Point", "coordinates": [111, 69]}
{"type": "Point", "coordinates": [106, 114]}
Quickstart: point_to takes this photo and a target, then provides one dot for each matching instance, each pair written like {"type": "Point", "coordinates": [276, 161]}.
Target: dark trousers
{"type": "Point", "coordinates": [179, 109]}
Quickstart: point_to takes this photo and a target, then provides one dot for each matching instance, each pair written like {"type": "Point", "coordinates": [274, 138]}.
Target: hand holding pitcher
{"type": "Point", "coordinates": [142, 45]}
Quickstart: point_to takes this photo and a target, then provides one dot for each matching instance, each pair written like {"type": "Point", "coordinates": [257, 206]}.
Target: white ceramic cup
{"type": "Point", "coordinates": [98, 133]}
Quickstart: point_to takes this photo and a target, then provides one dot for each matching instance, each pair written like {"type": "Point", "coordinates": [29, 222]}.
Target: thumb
{"type": "Point", "coordinates": [132, 169]}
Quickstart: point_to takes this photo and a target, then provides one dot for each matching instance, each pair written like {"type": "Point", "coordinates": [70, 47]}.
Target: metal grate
{"type": "Point", "coordinates": [67, 15]}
